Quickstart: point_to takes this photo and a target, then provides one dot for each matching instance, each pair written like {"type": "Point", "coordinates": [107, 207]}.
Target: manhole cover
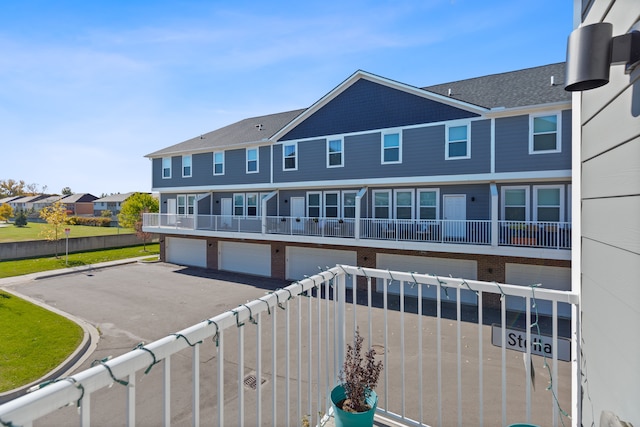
{"type": "Point", "coordinates": [252, 382]}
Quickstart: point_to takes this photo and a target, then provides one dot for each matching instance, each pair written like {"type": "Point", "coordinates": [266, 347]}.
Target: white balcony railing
{"type": "Point", "coordinates": [548, 235]}
{"type": "Point", "coordinates": [274, 360]}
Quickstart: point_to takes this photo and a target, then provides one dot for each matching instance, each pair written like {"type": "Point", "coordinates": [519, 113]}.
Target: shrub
{"type": "Point", "coordinates": [21, 219]}
{"type": "Point", "coordinates": [92, 221]}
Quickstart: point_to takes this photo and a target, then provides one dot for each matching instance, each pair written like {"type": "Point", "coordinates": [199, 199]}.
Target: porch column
{"type": "Point", "coordinates": [263, 207]}
{"type": "Point", "coordinates": [494, 214]}
{"type": "Point", "coordinates": [359, 196]}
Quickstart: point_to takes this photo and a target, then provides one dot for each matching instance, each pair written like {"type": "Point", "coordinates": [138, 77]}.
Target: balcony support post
{"type": "Point", "coordinates": [263, 207]}
{"type": "Point", "coordinates": [359, 196]}
{"type": "Point", "coordinates": [494, 214]}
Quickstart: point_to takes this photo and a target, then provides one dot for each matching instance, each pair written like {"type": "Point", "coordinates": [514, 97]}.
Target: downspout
{"type": "Point", "coordinates": [359, 197]}
{"type": "Point", "coordinates": [494, 214]}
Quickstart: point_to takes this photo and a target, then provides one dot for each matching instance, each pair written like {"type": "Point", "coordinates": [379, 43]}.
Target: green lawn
{"type": "Point", "coordinates": [33, 265]}
{"type": "Point", "coordinates": [33, 230]}
{"type": "Point", "coordinates": [34, 341]}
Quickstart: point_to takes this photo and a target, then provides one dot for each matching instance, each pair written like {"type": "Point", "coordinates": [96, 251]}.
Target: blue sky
{"type": "Point", "coordinates": [87, 88]}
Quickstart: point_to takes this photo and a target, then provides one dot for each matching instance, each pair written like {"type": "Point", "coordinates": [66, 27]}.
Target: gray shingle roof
{"type": "Point", "coordinates": [528, 87]}
{"type": "Point", "coordinates": [531, 86]}
{"type": "Point", "coordinates": [254, 129]}
{"type": "Point", "coordinates": [114, 198]}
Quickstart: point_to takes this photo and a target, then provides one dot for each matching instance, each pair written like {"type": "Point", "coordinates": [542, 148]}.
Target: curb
{"type": "Point", "coordinates": [90, 337]}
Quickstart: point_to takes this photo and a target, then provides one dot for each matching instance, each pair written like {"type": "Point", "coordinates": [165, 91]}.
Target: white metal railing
{"type": "Point", "coordinates": [440, 367]}
{"type": "Point", "coordinates": [549, 235]}
{"type": "Point", "coordinates": [544, 234]}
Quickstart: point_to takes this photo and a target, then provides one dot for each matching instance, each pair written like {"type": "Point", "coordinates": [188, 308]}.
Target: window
{"type": "Point", "coordinates": [404, 204]}
{"type": "Point", "coordinates": [186, 204]}
{"type": "Point", "coordinates": [391, 148]}
{"type": "Point", "coordinates": [290, 156]}
{"type": "Point", "coordinates": [238, 204]}
{"type": "Point", "coordinates": [313, 205]}
{"type": "Point", "coordinates": [544, 136]}
{"type": "Point", "coordinates": [186, 166]}
{"type": "Point", "coordinates": [331, 205]}
{"type": "Point", "coordinates": [457, 142]}
{"type": "Point", "coordinates": [381, 203]}
{"type": "Point", "coordinates": [252, 160]}
{"type": "Point", "coordinates": [349, 204]}
{"type": "Point", "coordinates": [218, 163]}
{"type": "Point", "coordinates": [166, 167]}
{"type": "Point", "coordinates": [252, 204]}
{"type": "Point", "coordinates": [334, 153]}
{"type": "Point", "coordinates": [427, 204]}
{"type": "Point", "coordinates": [191, 203]}
{"type": "Point", "coordinates": [547, 200]}
{"type": "Point", "coordinates": [515, 203]}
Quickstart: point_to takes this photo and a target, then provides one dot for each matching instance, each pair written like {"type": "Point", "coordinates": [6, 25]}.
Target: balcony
{"type": "Point", "coordinates": [274, 360]}
{"type": "Point", "coordinates": [529, 234]}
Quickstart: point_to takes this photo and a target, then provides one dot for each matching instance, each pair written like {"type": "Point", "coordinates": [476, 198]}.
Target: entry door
{"type": "Point", "coordinates": [172, 210]}
{"type": "Point", "coordinates": [225, 211]}
{"type": "Point", "coordinates": [455, 216]}
{"type": "Point", "coordinates": [297, 213]}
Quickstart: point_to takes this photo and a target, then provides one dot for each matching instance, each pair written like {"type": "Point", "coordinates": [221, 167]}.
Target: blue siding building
{"type": "Point", "coordinates": [382, 174]}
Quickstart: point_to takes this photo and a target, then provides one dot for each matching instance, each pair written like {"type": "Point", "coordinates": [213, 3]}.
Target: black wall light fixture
{"type": "Point", "coordinates": [591, 50]}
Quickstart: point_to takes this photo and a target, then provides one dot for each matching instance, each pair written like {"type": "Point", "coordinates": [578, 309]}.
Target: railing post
{"type": "Point", "coordinates": [340, 297]}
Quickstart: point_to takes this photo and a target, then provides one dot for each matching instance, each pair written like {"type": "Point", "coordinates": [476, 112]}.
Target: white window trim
{"type": "Point", "coordinates": [246, 154]}
{"type": "Point", "coordinates": [341, 139]}
{"type": "Point", "coordinates": [162, 167]}
{"type": "Point", "coordinates": [244, 205]}
{"type": "Point", "coordinates": [373, 203]}
{"type": "Point", "coordinates": [187, 156]}
{"type": "Point", "coordinates": [183, 204]}
{"type": "Point", "coordinates": [427, 190]}
{"type": "Point", "coordinates": [558, 132]}
{"type": "Point", "coordinates": [527, 207]}
{"type": "Point", "coordinates": [535, 200]}
{"type": "Point", "coordinates": [344, 193]}
{"type": "Point", "coordinates": [192, 200]}
{"type": "Point", "coordinates": [391, 132]}
{"type": "Point", "coordinates": [324, 203]}
{"type": "Point", "coordinates": [395, 202]}
{"type": "Point", "coordinates": [320, 205]}
{"type": "Point", "coordinates": [447, 142]}
{"type": "Point", "coordinates": [295, 158]}
{"type": "Point", "coordinates": [214, 162]}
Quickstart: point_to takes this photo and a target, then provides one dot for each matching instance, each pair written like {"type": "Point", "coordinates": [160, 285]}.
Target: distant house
{"type": "Point", "coordinates": [26, 203]}
{"type": "Point", "coordinates": [80, 204]}
{"type": "Point", "coordinates": [8, 200]}
{"type": "Point", "coordinates": [40, 204]}
{"type": "Point", "coordinates": [112, 203]}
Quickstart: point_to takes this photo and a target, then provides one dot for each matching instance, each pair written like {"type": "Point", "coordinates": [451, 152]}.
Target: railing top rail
{"type": "Point", "coordinates": [473, 285]}
{"type": "Point", "coordinates": [71, 390]}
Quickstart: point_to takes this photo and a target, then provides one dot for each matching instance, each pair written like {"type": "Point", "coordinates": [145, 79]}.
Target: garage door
{"type": "Point", "coordinates": [558, 278]}
{"type": "Point", "coordinates": [249, 258]}
{"type": "Point", "coordinates": [309, 261]}
{"type": "Point", "coordinates": [192, 252]}
{"type": "Point", "coordinates": [460, 268]}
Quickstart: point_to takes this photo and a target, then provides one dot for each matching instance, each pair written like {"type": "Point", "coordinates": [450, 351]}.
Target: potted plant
{"type": "Point", "coordinates": [354, 399]}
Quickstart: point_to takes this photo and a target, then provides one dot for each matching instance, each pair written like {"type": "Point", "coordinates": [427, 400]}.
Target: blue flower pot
{"type": "Point", "coordinates": [349, 419]}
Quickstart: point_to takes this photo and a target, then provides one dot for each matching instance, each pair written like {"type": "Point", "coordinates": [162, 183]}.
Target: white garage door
{"type": "Point", "coordinates": [309, 261]}
{"type": "Point", "coordinates": [558, 278]}
{"type": "Point", "coordinates": [459, 268]}
{"type": "Point", "coordinates": [249, 258]}
{"type": "Point", "coordinates": [192, 252]}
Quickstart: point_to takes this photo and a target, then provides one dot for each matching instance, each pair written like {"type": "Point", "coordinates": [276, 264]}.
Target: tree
{"type": "Point", "coordinates": [11, 187]}
{"type": "Point", "coordinates": [66, 191]}
{"type": "Point", "coordinates": [134, 207]}
{"type": "Point", "coordinates": [6, 212]}
{"type": "Point", "coordinates": [130, 215]}
{"type": "Point", "coordinates": [56, 217]}
{"type": "Point", "coordinates": [20, 219]}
